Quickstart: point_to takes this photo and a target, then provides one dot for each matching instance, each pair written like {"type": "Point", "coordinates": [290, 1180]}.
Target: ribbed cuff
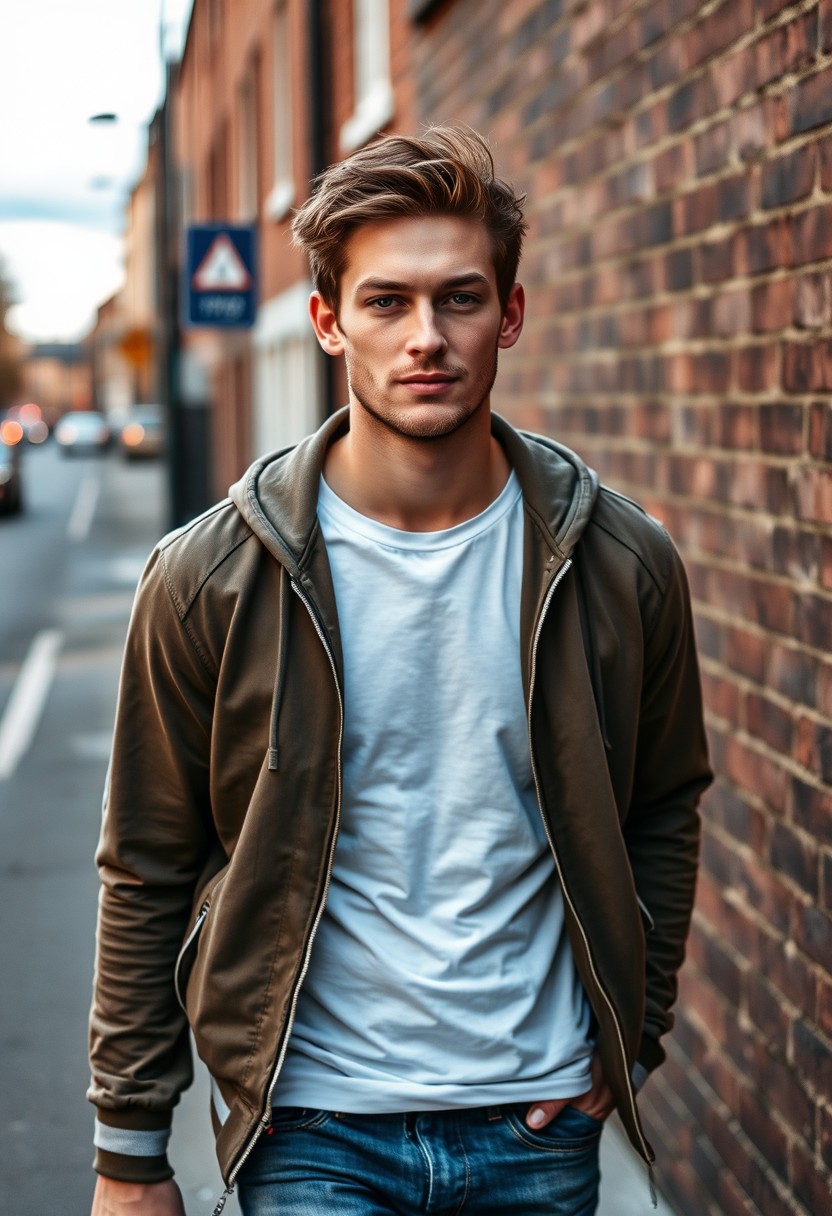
{"type": "Point", "coordinates": [124, 1168]}
{"type": "Point", "coordinates": [131, 1145]}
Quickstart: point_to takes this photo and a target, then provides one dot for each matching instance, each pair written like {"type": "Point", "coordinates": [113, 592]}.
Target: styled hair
{"type": "Point", "coordinates": [444, 171]}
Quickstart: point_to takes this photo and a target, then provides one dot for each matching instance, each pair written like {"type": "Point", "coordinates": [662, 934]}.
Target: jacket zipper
{"type": "Point", "coordinates": [538, 630]}
{"type": "Point", "coordinates": [265, 1118]}
{"type": "Point", "coordinates": [203, 912]}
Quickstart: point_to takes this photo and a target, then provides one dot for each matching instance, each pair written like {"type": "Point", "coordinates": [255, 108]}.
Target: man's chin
{"type": "Point", "coordinates": [422, 421]}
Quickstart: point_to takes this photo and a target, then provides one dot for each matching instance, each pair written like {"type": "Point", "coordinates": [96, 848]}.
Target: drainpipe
{"type": "Point", "coordinates": [318, 111]}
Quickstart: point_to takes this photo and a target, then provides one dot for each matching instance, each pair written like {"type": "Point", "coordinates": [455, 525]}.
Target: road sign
{"type": "Point", "coordinates": [220, 276]}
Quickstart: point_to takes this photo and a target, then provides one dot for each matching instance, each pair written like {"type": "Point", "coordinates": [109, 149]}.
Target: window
{"type": "Point", "coordinates": [287, 400]}
{"type": "Point", "coordinates": [373, 91]}
{"type": "Point", "coordinates": [282, 194]}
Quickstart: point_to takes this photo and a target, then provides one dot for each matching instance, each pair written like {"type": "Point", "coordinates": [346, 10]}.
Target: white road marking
{"type": "Point", "coordinates": [83, 511]}
{"type": "Point", "coordinates": [25, 705]}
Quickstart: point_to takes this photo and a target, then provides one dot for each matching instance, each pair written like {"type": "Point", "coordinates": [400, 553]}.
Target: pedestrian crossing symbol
{"type": "Point", "coordinates": [222, 268]}
{"type": "Point", "coordinates": [219, 282]}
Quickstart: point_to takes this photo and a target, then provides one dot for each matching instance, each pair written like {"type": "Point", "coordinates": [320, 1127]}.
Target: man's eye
{"type": "Point", "coordinates": [463, 297]}
{"type": "Point", "coordinates": [383, 302]}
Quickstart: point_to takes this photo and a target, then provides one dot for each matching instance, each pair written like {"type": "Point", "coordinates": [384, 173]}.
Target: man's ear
{"type": "Point", "coordinates": [512, 323]}
{"type": "Point", "coordinates": [325, 324]}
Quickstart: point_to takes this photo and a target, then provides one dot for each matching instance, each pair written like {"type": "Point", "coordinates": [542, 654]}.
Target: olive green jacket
{"type": "Point", "coordinates": [223, 797]}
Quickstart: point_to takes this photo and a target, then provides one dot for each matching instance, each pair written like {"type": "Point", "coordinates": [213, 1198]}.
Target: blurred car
{"type": "Point", "coordinates": [83, 432]}
{"type": "Point", "coordinates": [11, 488]}
{"type": "Point", "coordinates": [143, 433]}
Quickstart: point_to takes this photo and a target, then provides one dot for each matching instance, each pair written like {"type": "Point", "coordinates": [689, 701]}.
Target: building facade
{"type": "Point", "coordinates": [677, 162]}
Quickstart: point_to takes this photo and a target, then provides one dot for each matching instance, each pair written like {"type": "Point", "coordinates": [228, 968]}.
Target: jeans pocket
{"type": "Point", "coordinates": [296, 1118]}
{"type": "Point", "coordinates": [571, 1130]}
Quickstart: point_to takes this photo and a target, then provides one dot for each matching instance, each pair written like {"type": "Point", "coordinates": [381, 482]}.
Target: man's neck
{"type": "Point", "coordinates": [417, 485]}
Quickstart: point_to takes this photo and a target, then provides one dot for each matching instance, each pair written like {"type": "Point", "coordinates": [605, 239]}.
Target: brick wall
{"type": "Point", "coordinates": [678, 164]}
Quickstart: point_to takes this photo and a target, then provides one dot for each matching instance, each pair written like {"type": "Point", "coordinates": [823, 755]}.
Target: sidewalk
{"type": "Point", "coordinates": [625, 1185]}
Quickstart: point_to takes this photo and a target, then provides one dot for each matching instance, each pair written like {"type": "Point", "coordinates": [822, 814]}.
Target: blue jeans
{"type": "Point", "coordinates": [481, 1162]}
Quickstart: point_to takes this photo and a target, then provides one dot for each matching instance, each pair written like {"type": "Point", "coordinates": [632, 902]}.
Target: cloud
{"type": "Point", "coordinates": [68, 270]}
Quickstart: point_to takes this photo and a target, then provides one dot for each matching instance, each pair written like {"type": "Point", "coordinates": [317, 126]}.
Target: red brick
{"type": "Point", "coordinates": [773, 305]}
{"type": "Point", "coordinates": [782, 429]}
{"type": "Point", "coordinates": [813, 495]}
{"type": "Point", "coordinates": [813, 301]}
{"type": "Point", "coordinates": [733, 197]}
{"type": "Point", "coordinates": [672, 166]}
{"type": "Point", "coordinates": [812, 1185]}
{"type": "Point", "coordinates": [825, 159]}
{"type": "Point", "coordinates": [811, 234]}
{"type": "Point", "coordinates": [766, 1008]}
{"type": "Point", "coordinates": [825, 33]}
{"type": "Point", "coordinates": [756, 368]}
{"type": "Point", "coordinates": [812, 809]}
{"type": "Point", "coordinates": [807, 367]}
{"type": "Point", "coordinates": [716, 260]}
{"type": "Point", "coordinates": [791, 973]}
{"type": "Point", "coordinates": [783, 1088]}
{"type": "Point", "coordinates": [812, 933]}
{"type": "Point", "coordinates": [769, 722]}
{"type": "Point", "coordinates": [786, 49]}
{"type": "Point", "coordinates": [764, 247]}
{"type": "Point", "coordinates": [796, 857]}
{"type": "Point", "coordinates": [753, 771]}
{"type": "Point", "coordinates": [825, 1135]}
{"type": "Point", "coordinates": [820, 430]}
{"type": "Point", "coordinates": [791, 672]}
{"type": "Point", "coordinates": [789, 177]}
{"type": "Point", "coordinates": [810, 102]}
{"type": "Point", "coordinates": [814, 621]}
{"type": "Point", "coordinates": [734, 76]}
{"type": "Point", "coordinates": [755, 1120]}
{"type": "Point", "coordinates": [712, 148]}
{"type": "Point", "coordinates": [715, 32]}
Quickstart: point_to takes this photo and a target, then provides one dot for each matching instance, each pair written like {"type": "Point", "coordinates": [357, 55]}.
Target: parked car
{"type": "Point", "coordinates": [83, 432]}
{"type": "Point", "coordinates": [11, 488]}
{"type": "Point", "coordinates": [143, 433]}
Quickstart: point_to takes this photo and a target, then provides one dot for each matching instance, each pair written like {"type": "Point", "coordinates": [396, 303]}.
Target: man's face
{"type": "Point", "coordinates": [420, 323]}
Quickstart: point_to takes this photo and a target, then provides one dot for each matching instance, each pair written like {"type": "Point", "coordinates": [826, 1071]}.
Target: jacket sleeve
{"type": "Point", "coordinates": [156, 834]}
{"type": "Point", "coordinates": [662, 827]}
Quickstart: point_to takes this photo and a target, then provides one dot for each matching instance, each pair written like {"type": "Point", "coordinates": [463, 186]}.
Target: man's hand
{"type": "Point", "coordinates": [113, 1198]}
{"type": "Point", "coordinates": [597, 1102]}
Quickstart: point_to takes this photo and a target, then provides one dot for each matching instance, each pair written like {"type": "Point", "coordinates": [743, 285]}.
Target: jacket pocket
{"type": "Point", "coordinates": [187, 955]}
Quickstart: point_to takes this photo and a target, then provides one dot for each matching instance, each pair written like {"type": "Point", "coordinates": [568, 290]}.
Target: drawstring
{"type": "Point", "coordinates": [591, 641]}
{"type": "Point", "coordinates": [282, 658]}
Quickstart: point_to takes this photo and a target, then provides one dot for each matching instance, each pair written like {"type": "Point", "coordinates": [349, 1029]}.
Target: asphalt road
{"type": "Point", "coordinates": [68, 568]}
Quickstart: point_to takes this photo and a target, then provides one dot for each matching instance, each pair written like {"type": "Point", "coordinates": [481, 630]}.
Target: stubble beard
{"type": "Point", "coordinates": [419, 421]}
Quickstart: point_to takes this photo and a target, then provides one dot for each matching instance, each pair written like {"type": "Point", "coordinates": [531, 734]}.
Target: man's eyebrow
{"type": "Point", "coordinates": [459, 280]}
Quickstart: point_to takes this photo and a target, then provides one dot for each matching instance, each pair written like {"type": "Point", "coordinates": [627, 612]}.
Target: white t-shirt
{"type": "Point", "coordinates": [441, 975]}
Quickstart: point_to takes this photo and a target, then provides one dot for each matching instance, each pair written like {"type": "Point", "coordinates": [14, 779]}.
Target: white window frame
{"type": "Point", "coordinates": [282, 194]}
{"type": "Point", "coordinates": [288, 401]}
{"type": "Point", "coordinates": [374, 101]}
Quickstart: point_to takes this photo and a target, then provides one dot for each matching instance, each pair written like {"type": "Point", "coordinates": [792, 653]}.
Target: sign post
{"type": "Point", "coordinates": [220, 276]}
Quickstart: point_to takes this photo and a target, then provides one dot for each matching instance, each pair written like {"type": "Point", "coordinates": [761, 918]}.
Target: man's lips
{"type": "Point", "coordinates": [428, 382]}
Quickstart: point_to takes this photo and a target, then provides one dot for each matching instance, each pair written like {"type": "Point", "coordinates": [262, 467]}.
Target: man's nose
{"type": "Point", "coordinates": [425, 336]}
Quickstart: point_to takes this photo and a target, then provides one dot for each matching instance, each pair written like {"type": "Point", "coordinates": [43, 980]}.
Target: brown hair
{"type": "Point", "coordinates": [445, 171]}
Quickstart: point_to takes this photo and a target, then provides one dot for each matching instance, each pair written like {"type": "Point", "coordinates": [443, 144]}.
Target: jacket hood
{"type": "Point", "coordinates": [278, 495]}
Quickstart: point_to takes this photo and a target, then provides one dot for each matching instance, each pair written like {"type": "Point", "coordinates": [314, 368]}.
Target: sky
{"type": "Point", "coordinates": [64, 181]}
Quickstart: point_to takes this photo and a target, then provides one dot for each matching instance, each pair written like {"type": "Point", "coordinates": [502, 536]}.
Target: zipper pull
{"type": "Point", "coordinates": [222, 1203]}
{"type": "Point", "coordinates": [654, 1199]}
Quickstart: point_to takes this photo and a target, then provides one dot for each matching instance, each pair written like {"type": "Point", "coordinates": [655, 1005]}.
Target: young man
{"type": "Point", "coordinates": [401, 815]}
